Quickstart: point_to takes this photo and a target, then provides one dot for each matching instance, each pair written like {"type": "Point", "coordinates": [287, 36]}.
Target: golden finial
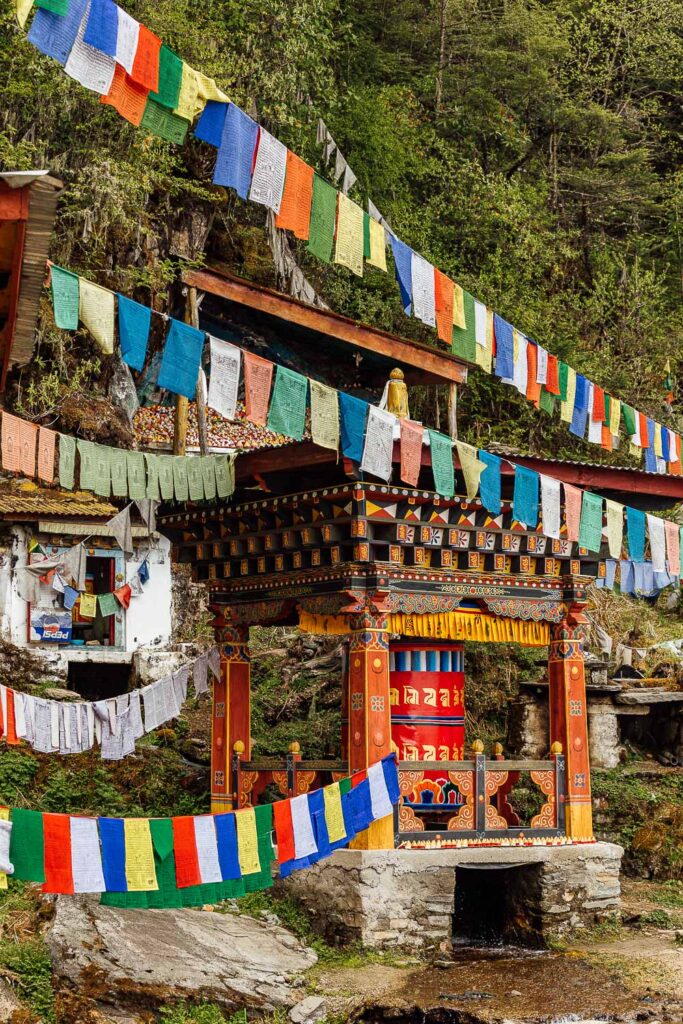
{"type": "Point", "coordinates": [556, 748]}
{"type": "Point", "coordinates": [477, 747]}
{"type": "Point", "coordinates": [238, 747]}
{"type": "Point", "coordinates": [397, 394]}
{"type": "Point", "coordinates": [294, 747]}
{"type": "Point", "coordinates": [497, 749]}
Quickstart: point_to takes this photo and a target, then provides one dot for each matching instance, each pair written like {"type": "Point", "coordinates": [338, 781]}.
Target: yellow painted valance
{"type": "Point", "coordinates": [457, 625]}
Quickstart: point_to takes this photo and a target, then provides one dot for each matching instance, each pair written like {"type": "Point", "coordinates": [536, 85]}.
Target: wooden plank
{"type": "Point", "coordinates": [298, 455]}
{"type": "Point", "coordinates": [433, 366]}
{"type": "Point", "coordinates": [601, 477]}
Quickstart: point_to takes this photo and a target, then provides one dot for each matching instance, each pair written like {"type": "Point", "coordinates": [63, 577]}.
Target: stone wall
{"type": "Point", "coordinates": [406, 898]}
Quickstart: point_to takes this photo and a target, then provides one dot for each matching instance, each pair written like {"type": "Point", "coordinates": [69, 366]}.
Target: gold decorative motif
{"type": "Point", "coordinates": [281, 781]}
{"type": "Point", "coordinates": [246, 784]}
{"type": "Point", "coordinates": [547, 816]}
{"type": "Point", "coordinates": [303, 782]}
{"type": "Point", "coordinates": [463, 821]}
{"type": "Point", "coordinates": [407, 821]}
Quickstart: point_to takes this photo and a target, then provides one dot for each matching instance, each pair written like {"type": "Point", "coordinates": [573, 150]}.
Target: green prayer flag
{"type": "Point", "coordinates": [208, 476]}
{"type": "Point", "coordinates": [323, 219]}
{"type": "Point", "coordinates": [224, 466]}
{"type": "Point", "coordinates": [26, 845]}
{"type": "Point", "coordinates": [547, 401]}
{"type": "Point", "coordinates": [590, 525]}
{"type": "Point", "coordinates": [165, 463]}
{"type": "Point", "coordinates": [441, 448]}
{"type": "Point", "coordinates": [608, 404]}
{"type": "Point", "coordinates": [108, 605]}
{"type": "Point", "coordinates": [163, 122]}
{"type": "Point", "coordinates": [86, 454]}
{"type": "Point", "coordinates": [287, 413]}
{"type": "Point", "coordinates": [60, 7]}
{"type": "Point", "coordinates": [629, 417]}
{"type": "Point", "coordinates": [170, 79]}
{"type": "Point", "coordinates": [102, 470]}
{"type": "Point", "coordinates": [367, 248]}
{"type": "Point", "coordinates": [65, 298]}
{"type": "Point", "coordinates": [119, 472]}
{"type": "Point", "coordinates": [152, 465]}
{"type": "Point", "coordinates": [195, 479]}
{"type": "Point", "coordinates": [180, 481]}
{"type": "Point", "coordinates": [464, 343]}
{"type": "Point", "coordinates": [137, 483]}
{"type": "Point", "coordinates": [562, 378]}
{"type": "Point", "coordinates": [67, 461]}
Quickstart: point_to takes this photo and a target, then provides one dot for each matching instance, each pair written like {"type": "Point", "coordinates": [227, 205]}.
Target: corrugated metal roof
{"type": "Point", "coordinates": [513, 453]}
{"type": "Point", "coordinates": [43, 503]}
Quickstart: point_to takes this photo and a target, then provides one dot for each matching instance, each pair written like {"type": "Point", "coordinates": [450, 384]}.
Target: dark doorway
{"type": "Point", "coordinates": [94, 681]}
{"type": "Point", "coordinates": [495, 906]}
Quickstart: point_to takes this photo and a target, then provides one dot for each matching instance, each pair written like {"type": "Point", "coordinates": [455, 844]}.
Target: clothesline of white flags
{"type": "Point", "coordinates": [52, 727]}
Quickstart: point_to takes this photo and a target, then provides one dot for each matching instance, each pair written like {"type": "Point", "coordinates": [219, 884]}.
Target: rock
{"type": "Point", "coordinates": [145, 958]}
{"type": "Point", "coordinates": [8, 1002]}
{"type": "Point", "coordinates": [514, 992]}
{"type": "Point", "coordinates": [309, 1011]}
{"type": "Point", "coordinates": [57, 693]}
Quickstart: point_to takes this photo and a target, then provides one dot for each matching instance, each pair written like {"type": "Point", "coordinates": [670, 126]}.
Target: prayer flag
{"type": "Point", "coordinates": [630, 420]}
{"type": "Point", "coordinates": [140, 871]}
{"type": "Point", "coordinates": [324, 415]}
{"type": "Point", "coordinates": [302, 827]}
{"type": "Point", "coordinates": [295, 208]}
{"type": "Point", "coordinates": [134, 326]}
{"type": "Point", "coordinates": [209, 127]}
{"type": "Point", "coordinates": [164, 123]}
{"type": "Point", "coordinates": [520, 362]}
{"type": "Point", "coordinates": [655, 531]}
{"type": "Point", "coordinates": [598, 410]}
{"type": "Point", "coordinates": [590, 526]}
{"type": "Point", "coordinates": [268, 179]}
{"type": "Point", "coordinates": [65, 298]}
{"type": "Point", "coordinates": [28, 438]}
{"type": "Point", "coordinates": [424, 301]}
{"type": "Point", "coordinates": [6, 866]}
{"type": "Point", "coordinates": [207, 849]}
{"type": "Point", "coordinates": [412, 435]}
{"type": "Point", "coordinates": [11, 442]}
{"type": "Point", "coordinates": [284, 830]}
{"type": "Point", "coordinates": [403, 259]}
{"type": "Point", "coordinates": [459, 307]}
{"type": "Point", "coordinates": [379, 443]}
{"type": "Point", "coordinates": [490, 483]}
{"type": "Point", "coordinates": [443, 301]}
{"type": "Point", "coordinates": [92, 68]}
{"type": "Point", "coordinates": [614, 416]}
{"type": "Point", "coordinates": [135, 472]}
{"type": "Point", "coordinates": [550, 506]}
{"type": "Point", "coordinates": [525, 497]}
{"type": "Point", "coordinates": [224, 466]}
{"type": "Point", "coordinates": [101, 455]}
{"type": "Point", "coordinates": [226, 835]}
{"type": "Point", "coordinates": [334, 815]}
{"type": "Point", "coordinates": [323, 219]}
{"type": "Point", "coordinates": [152, 467]}
{"type": "Point", "coordinates": [181, 485]}
{"type": "Point", "coordinates": [54, 34]}
{"type": "Point", "coordinates": [541, 365]}
{"type": "Point", "coordinates": [126, 96]}
{"type": "Point", "coordinates": [123, 595]}
{"type": "Point", "coordinates": [287, 413]}
{"type": "Point", "coordinates": [96, 310]}
{"type": "Point", "coordinates": [380, 798]}
{"type": "Point", "coordinates": [472, 468]}
{"type": "Point", "coordinates": [483, 330]}
{"type": "Point", "coordinates": [181, 358]}
{"type": "Point", "coordinates": [533, 388]}
{"type": "Point", "coordinates": [464, 338]}
{"type": "Point", "coordinates": [119, 472]}
{"type": "Point", "coordinates": [503, 333]}
{"type": "Point", "coordinates": [615, 527]}
{"type": "Point", "coordinates": [102, 27]}
{"type": "Point", "coordinates": [352, 412]}
{"type": "Point", "coordinates": [112, 841]}
{"type": "Point", "coordinates": [57, 854]}
{"type": "Point", "coordinates": [567, 404]}
{"type": "Point", "coordinates": [378, 245]}
{"type": "Point", "coordinates": [247, 841]}
{"type": "Point", "coordinates": [185, 853]}
{"type": "Point", "coordinates": [86, 857]}
{"type": "Point", "coordinates": [572, 510]}
{"type": "Point", "coordinates": [24, 8]}
{"type": "Point", "coordinates": [226, 360]}
{"type": "Point", "coordinates": [196, 90]}
{"type": "Point", "coordinates": [126, 40]}
{"type": "Point", "coordinates": [170, 79]}
{"type": "Point", "coordinates": [88, 606]}
{"type": "Point", "coordinates": [60, 7]}
{"type": "Point", "coordinates": [27, 845]}
{"type": "Point", "coordinates": [349, 245]}
{"type": "Point", "coordinates": [552, 384]}
{"type": "Point", "coordinates": [195, 480]}
{"type": "Point", "coordinates": [107, 605]}
{"type": "Point", "coordinates": [579, 418]}
{"type": "Point", "coordinates": [47, 443]}
{"type": "Point", "coordinates": [236, 152]}
{"type": "Point", "coordinates": [673, 556]}
{"type": "Point", "coordinates": [441, 450]}
{"type": "Point", "coordinates": [145, 69]}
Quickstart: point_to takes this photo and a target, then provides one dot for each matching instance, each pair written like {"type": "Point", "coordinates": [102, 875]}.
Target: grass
{"type": "Point", "coordinates": [669, 894]}
{"type": "Point", "coordinates": [31, 971]}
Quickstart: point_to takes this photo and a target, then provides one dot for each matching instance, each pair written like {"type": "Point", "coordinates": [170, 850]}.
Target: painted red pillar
{"type": "Point", "coordinates": [231, 713]}
{"type": "Point", "coordinates": [568, 718]}
{"type": "Point", "coordinates": [369, 708]}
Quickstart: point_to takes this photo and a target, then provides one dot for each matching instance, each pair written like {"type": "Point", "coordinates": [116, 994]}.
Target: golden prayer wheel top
{"type": "Point", "coordinates": [397, 394]}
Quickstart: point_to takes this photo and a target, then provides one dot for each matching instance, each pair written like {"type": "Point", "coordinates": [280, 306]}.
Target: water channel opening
{"type": "Point", "coordinates": [494, 906]}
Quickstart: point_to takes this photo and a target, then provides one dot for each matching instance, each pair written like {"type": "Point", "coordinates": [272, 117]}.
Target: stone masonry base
{"type": "Point", "coordinates": [406, 898]}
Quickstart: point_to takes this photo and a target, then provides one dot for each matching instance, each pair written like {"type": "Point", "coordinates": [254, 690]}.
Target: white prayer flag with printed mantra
{"type": "Point", "coordinates": [302, 827]}
{"type": "Point", "coordinates": [379, 443]}
{"type": "Point", "coordinates": [268, 180]}
{"type": "Point", "coordinates": [96, 311]}
{"type": "Point", "coordinates": [655, 531]}
{"type": "Point", "coordinates": [207, 849]}
{"type": "Point", "coordinates": [379, 794]}
{"type": "Point", "coordinates": [615, 527]}
{"type": "Point", "coordinates": [594, 426]}
{"type": "Point", "coordinates": [424, 300]}
{"type": "Point", "coordinates": [324, 415]}
{"type": "Point", "coordinates": [127, 40]}
{"type": "Point", "coordinates": [541, 365]}
{"type": "Point", "coordinates": [480, 323]}
{"type": "Point", "coordinates": [521, 368]}
{"type": "Point", "coordinates": [92, 68]}
{"type": "Point", "coordinates": [86, 858]}
{"type": "Point", "coordinates": [226, 360]}
{"type": "Point", "coordinates": [550, 506]}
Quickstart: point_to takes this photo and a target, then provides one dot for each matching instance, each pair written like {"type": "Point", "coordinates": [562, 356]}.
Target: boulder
{"type": "Point", "coordinates": [311, 1010]}
{"type": "Point", "coordinates": [8, 1002]}
{"type": "Point", "coordinates": [142, 959]}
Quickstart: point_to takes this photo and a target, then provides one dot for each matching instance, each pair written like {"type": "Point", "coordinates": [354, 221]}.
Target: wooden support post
{"type": "Point", "coordinates": [453, 411]}
{"type": "Point", "coordinates": [231, 719]}
{"type": "Point", "coordinates": [568, 718]}
{"type": "Point", "coordinates": [368, 703]}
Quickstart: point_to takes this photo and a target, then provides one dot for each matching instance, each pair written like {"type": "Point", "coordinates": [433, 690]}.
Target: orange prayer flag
{"type": "Point", "coordinates": [573, 497]}
{"type": "Point", "coordinates": [533, 388]}
{"type": "Point", "coordinates": [297, 196]}
{"type": "Point", "coordinates": [28, 437]}
{"type": "Point", "coordinates": [607, 442]}
{"type": "Point", "coordinates": [126, 96]}
{"type": "Point", "coordinates": [598, 413]}
{"type": "Point", "coordinates": [676, 468]}
{"type": "Point", "coordinates": [443, 295]}
{"type": "Point", "coordinates": [47, 442]}
{"type": "Point", "coordinates": [642, 418]}
{"type": "Point", "coordinates": [11, 442]}
{"type": "Point", "coordinates": [145, 69]}
{"type": "Point", "coordinates": [10, 725]}
{"type": "Point", "coordinates": [552, 384]}
{"type": "Point", "coordinates": [258, 377]}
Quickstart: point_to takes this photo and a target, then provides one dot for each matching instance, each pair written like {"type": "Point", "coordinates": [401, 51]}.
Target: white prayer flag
{"type": "Point", "coordinates": [19, 716]}
{"type": "Point", "coordinates": [424, 302]}
{"type": "Point", "coordinates": [121, 531]}
{"type": "Point", "coordinates": [379, 443]}
{"type": "Point", "coordinates": [302, 827]}
{"type": "Point", "coordinates": [268, 180]}
{"type": "Point", "coordinates": [224, 382]}
{"type": "Point", "coordinates": [379, 794]}
{"type": "Point", "coordinates": [86, 857]}
{"type": "Point", "coordinates": [520, 375]}
{"type": "Point", "coordinates": [207, 849]}
{"type": "Point", "coordinates": [92, 68]}
{"type": "Point", "coordinates": [550, 506]}
{"type": "Point", "coordinates": [127, 40]}
{"type": "Point", "coordinates": [480, 323]}
{"type": "Point", "coordinates": [655, 530]}
{"type": "Point", "coordinates": [6, 865]}
{"type": "Point", "coordinates": [594, 426]}
{"type": "Point", "coordinates": [136, 715]}
{"type": "Point", "coordinates": [541, 365]}
{"type": "Point", "coordinates": [614, 527]}
{"type": "Point", "coordinates": [200, 678]}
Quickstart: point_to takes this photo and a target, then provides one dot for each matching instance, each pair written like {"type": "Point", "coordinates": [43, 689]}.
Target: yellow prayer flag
{"type": "Point", "coordinates": [615, 527]}
{"type": "Point", "coordinates": [658, 442]}
{"type": "Point", "coordinates": [88, 606]}
{"type": "Point", "coordinates": [247, 841]}
{"type": "Point", "coordinates": [324, 415]}
{"type": "Point", "coordinates": [4, 816]}
{"type": "Point", "coordinates": [349, 248]}
{"type": "Point", "coordinates": [96, 312]}
{"type": "Point", "coordinates": [458, 307]}
{"type": "Point", "coordinates": [334, 817]}
{"type": "Point", "coordinates": [472, 467]}
{"type": "Point", "coordinates": [23, 11]}
{"type": "Point", "coordinates": [140, 872]}
{"type": "Point", "coordinates": [483, 356]}
{"type": "Point", "coordinates": [196, 89]}
{"type": "Point", "coordinates": [614, 416]}
{"type": "Point", "coordinates": [635, 451]}
{"type": "Point", "coordinates": [378, 246]}
{"type": "Point", "coordinates": [567, 408]}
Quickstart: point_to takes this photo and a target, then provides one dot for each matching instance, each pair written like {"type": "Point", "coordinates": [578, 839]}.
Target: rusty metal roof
{"type": "Point", "coordinates": [40, 503]}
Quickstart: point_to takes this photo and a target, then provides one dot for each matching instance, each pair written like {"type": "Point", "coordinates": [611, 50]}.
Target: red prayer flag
{"type": "Point", "coordinates": [127, 97]}
{"type": "Point", "coordinates": [185, 851]}
{"type": "Point", "coordinates": [297, 197]}
{"type": "Point", "coordinates": [533, 388]}
{"type": "Point", "coordinates": [284, 830]}
{"type": "Point", "coordinates": [411, 451]}
{"type": "Point", "coordinates": [443, 294]}
{"type": "Point", "coordinates": [598, 411]}
{"type": "Point", "coordinates": [642, 419]}
{"type": "Point", "coordinates": [146, 64]}
{"type": "Point", "coordinates": [675, 467]}
{"type": "Point", "coordinates": [10, 725]}
{"type": "Point", "coordinates": [552, 384]}
{"type": "Point", "coordinates": [57, 853]}
{"type": "Point", "coordinates": [123, 595]}
{"type": "Point", "coordinates": [573, 496]}
{"type": "Point", "coordinates": [258, 377]}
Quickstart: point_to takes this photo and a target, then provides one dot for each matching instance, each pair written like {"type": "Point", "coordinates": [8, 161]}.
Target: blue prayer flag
{"type": "Point", "coordinates": [489, 483]}
{"type": "Point", "coordinates": [610, 573]}
{"type": "Point", "coordinates": [627, 585]}
{"type": "Point", "coordinates": [666, 452]}
{"type": "Point", "coordinates": [525, 497]}
{"type": "Point", "coordinates": [390, 770]}
{"type": "Point", "coordinates": [650, 457]}
{"type": "Point", "coordinates": [360, 806]}
{"type": "Point", "coordinates": [55, 34]}
{"type": "Point", "coordinates": [226, 838]}
{"type": "Point", "coordinates": [70, 597]}
{"type": "Point", "coordinates": [403, 262]}
{"type": "Point", "coordinates": [635, 527]}
{"type": "Point", "coordinates": [580, 413]}
{"type": "Point", "coordinates": [236, 153]}
{"type": "Point", "coordinates": [143, 572]}
{"type": "Point", "coordinates": [352, 414]}
{"type": "Point", "coordinates": [102, 30]}
{"type": "Point", "coordinates": [134, 325]}
{"type": "Point", "coordinates": [113, 843]}
{"type": "Point", "coordinates": [181, 358]}
{"type": "Point", "coordinates": [505, 348]}
{"type": "Point", "coordinates": [210, 124]}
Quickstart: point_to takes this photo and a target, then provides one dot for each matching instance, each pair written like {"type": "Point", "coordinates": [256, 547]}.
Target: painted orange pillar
{"type": "Point", "coordinates": [569, 720]}
{"type": "Point", "coordinates": [231, 716]}
{"type": "Point", "coordinates": [369, 710]}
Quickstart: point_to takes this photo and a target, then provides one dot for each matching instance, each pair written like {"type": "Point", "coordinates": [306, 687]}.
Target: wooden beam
{"type": "Point", "coordinates": [285, 459]}
{"type": "Point", "coordinates": [431, 364]}
{"type": "Point", "coordinates": [602, 477]}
